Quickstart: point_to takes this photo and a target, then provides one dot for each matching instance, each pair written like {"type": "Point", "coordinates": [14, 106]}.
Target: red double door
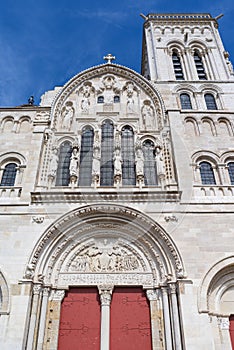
{"type": "Point", "coordinates": [80, 320]}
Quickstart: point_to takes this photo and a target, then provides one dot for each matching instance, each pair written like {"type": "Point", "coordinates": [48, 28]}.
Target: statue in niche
{"type": "Point", "coordinates": [130, 98]}
{"type": "Point", "coordinates": [117, 162]}
{"type": "Point", "coordinates": [53, 163]}
{"type": "Point", "coordinates": [96, 166]}
{"type": "Point", "coordinates": [139, 162]}
{"type": "Point", "coordinates": [67, 116]}
{"type": "Point", "coordinates": [159, 161]}
{"type": "Point", "coordinates": [74, 164]}
{"type": "Point", "coordinates": [148, 116]}
{"type": "Point", "coordinates": [85, 102]}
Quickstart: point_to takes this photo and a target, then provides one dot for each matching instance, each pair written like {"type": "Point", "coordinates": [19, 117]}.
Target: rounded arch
{"type": "Point", "coordinates": [125, 231]}
{"type": "Point", "coordinates": [110, 69]}
{"type": "Point", "coordinates": [205, 156]}
{"type": "Point", "coordinates": [217, 281]}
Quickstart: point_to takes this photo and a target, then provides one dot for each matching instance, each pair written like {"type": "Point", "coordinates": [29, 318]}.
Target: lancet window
{"type": "Point", "coordinates": [86, 157]}
{"type": "Point", "coordinates": [63, 172]}
{"type": "Point", "coordinates": [128, 156]}
{"type": "Point", "coordinates": [150, 172]}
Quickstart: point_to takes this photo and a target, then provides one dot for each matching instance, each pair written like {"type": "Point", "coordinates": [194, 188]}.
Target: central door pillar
{"type": "Point", "coordinates": [105, 293]}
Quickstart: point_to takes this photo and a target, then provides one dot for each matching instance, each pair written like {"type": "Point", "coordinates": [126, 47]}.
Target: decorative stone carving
{"type": "Point", "coordinates": [53, 165]}
{"type": "Point", "coordinates": [105, 293]}
{"type": "Point", "coordinates": [42, 117]}
{"type": "Point", "coordinates": [152, 294]}
{"type": "Point", "coordinates": [67, 116]}
{"type": "Point", "coordinates": [228, 62]}
{"type": "Point", "coordinates": [105, 258]}
{"type": "Point", "coordinates": [74, 164]}
{"type": "Point", "coordinates": [172, 218]}
{"type": "Point", "coordinates": [148, 117]}
{"type": "Point", "coordinates": [38, 219]}
{"type": "Point", "coordinates": [57, 295]}
{"type": "Point", "coordinates": [86, 91]}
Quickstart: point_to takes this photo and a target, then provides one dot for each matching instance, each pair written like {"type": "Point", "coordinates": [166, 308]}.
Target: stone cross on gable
{"type": "Point", "coordinates": [109, 58]}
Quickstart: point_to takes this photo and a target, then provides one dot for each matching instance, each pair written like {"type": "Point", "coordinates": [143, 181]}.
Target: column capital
{"type": "Point", "coordinates": [105, 293]}
{"type": "Point", "coordinates": [152, 294]}
{"type": "Point", "coordinates": [36, 289]}
{"type": "Point", "coordinates": [57, 295]}
{"type": "Point", "coordinates": [173, 288]}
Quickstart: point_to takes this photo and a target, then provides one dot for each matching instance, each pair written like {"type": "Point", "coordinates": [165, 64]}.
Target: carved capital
{"type": "Point", "coordinates": [105, 293]}
{"type": "Point", "coordinates": [36, 289]}
{"type": "Point", "coordinates": [173, 288]}
{"type": "Point", "coordinates": [152, 294]}
{"type": "Point", "coordinates": [57, 295]}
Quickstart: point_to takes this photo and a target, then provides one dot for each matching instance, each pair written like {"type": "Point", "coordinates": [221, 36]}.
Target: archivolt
{"type": "Point", "coordinates": [72, 230]}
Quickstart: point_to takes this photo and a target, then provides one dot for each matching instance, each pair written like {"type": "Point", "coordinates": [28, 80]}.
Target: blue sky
{"type": "Point", "coordinates": [44, 43]}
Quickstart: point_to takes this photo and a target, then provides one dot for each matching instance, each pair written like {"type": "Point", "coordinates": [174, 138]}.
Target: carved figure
{"type": "Point", "coordinates": [96, 162]}
{"type": "Point", "coordinates": [159, 161]}
{"type": "Point", "coordinates": [67, 117]}
{"type": "Point", "coordinates": [148, 116]}
{"type": "Point", "coordinates": [85, 103]}
{"type": "Point", "coordinates": [130, 104]}
{"type": "Point", "coordinates": [54, 162]}
{"type": "Point", "coordinates": [74, 164]}
{"type": "Point", "coordinates": [117, 162]}
{"type": "Point", "coordinates": [139, 162]}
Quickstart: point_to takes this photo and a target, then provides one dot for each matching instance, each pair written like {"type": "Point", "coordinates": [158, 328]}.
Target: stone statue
{"type": "Point", "coordinates": [159, 161]}
{"type": "Point", "coordinates": [85, 103]}
{"type": "Point", "coordinates": [54, 162]}
{"type": "Point", "coordinates": [96, 162]}
{"type": "Point", "coordinates": [117, 162]}
{"type": "Point", "coordinates": [139, 162]}
{"type": "Point", "coordinates": [148, 116]}
{"type": "Point", "coordinates": [74, 164]}
{"type": "Point", "coordinates": [67, 117]}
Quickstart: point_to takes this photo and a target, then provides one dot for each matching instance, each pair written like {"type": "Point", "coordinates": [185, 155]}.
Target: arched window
{"type": "Point", "coordinates": [116, 99]}
{"type": "Point", "coordinates": [107, 148]}
{"type": "Point", "coordinates": [231, 172]}
{"type": "Point", "coordinates": [210, 102]}
{"type": "Point", "coordinates": [128, 157]}
{"type": "Point", "coordinates": [199, 66]}
{"type": "Point", "coordinates": [63, 173]}
{"type": "Point", "coordinates": [207, 174]}
{"type": "Point", "coordinates": [86, 157]}
{"type": "Point", "coordinates": [149, 164]}
{"type": "Point", "coordinates": [185, 101]}
{"type": "Point", "coordinates": [100, 99]}
{"type": "Point", "coordinates": [9, 175]}
{"type": "Point", "coordinates": [177, 66]}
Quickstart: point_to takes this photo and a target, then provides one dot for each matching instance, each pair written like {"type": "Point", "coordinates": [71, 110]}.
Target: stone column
{"type": "Point", "coordinates": [54, 318]}
{"type": "Point", "coordinates": [175, 315]}
{"type": "Point", "coordinates": [42, 324]}
{"type": "Point", "coordinates": [105, 298]}
{"type": "Point", "coordinates": [33, 317]}
{"type": "Point", "coordinates": [155, 317]}
{"type": "Point", "coordinates": [167, 321]}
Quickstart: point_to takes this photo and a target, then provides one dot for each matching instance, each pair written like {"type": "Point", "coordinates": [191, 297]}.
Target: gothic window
{"type": "Point", "coordinates": [149, 164]}
{"type": "Point", "coordinates": [207, 174]}
{"type": "Point", "coordinates": [199, 66]}
{"type": "Point", "coordinates": [210, 102]}
{"type": "Point", "coordinates": [116, 99]}
{"type": "Point", "coordinates": [231, 172]}
{"type": "Point", "coordinates": [63, 173]}
{"type": "Point", "coordinates": [177, 66]}
{"type": "Point", "coordinates": [107, 148]}
{"type": "Point", "coordinates": [86, 157]}
{"type": "Point", "coordinates": [100, 99]}
{"type": "Point", "coordinates": [128, 157]}
{"type": "Point", "coordinates": [9, 175]}
{"type": "Point", "coordinates": [185, 101]}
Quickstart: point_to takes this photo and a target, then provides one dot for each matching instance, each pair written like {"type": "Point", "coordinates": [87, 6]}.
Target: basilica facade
{"type": "Point", "coordinates": [117, 200]}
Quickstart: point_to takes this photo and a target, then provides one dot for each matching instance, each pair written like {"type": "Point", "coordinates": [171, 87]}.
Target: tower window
{"type": "Point", "coordinates": [207, 174]}
{"type": "Point", "coordinates": [185, 101]}
{"type": "Point", "coordinates": [9, 174]}
{"type": "Point", "coordinates": [177, 66]}
{"type": "Point", "coordinates": [116, 99]}
{"type": "Point", "coordinates": [63, 172]}
{"type": "Point", "coordinates": [149, 164]}
{"type": "Point", "coordinates": [210, 102]}
{"type": "Point", "coordinates": [199, 66]}
{"type": "Point", "coordinates": [231, 172]}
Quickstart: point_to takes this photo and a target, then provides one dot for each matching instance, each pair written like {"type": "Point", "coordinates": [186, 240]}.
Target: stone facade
{"type": "Point", "coordinates": [68, 219]}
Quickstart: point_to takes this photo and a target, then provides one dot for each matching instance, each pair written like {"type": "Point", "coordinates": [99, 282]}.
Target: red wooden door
{"type": "Point", "coordinates": [231, 330]}
{"type": "Point", "coordinates": [80, 320]}
{"type": "Point", "coordinates": [130, 320]}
